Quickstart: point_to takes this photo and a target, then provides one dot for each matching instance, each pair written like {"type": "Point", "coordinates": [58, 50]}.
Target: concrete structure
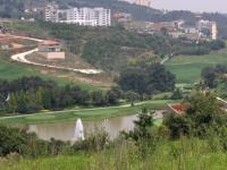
{"type": "Point", "coordinates": [214, 31]}
{"type": "Point", "coordinates": [85, 16]}
{"type": "Point", "coordinates": [147, 3]}
{"type": "Point", "coordinates": [81, 16]}
{"type": "Point", "coordinates": [51, 12]}
{"type": "Point", "coordinates": [51, 50]}
{"type": "Point", "coordinates": [210, 26]}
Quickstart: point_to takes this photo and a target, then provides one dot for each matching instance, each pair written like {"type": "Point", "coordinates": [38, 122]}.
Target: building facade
{"type": "Point", "coordinates": [51, 12]}
{"type": "Point", "coordinates": [81, 16]}
{"type": "Point", "coordinates": [210, 26]}
{"type": "Point", "coordinates": [147, 3]}
{"type": "Point", "coordinates": [51, 50]}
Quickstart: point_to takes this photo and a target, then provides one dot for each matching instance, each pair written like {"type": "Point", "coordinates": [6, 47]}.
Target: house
{"type": "Point", "coordinates": [51, 50]}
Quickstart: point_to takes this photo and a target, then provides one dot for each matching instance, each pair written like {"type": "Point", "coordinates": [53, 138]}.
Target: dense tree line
{"type": "Point", "coordinates": [32, 94]}
{"type": "Point", "coordinates": [11, 8]}
{"type": "Point", "coordinates": [202, 48]}
{"type": "Point", "coordinates": [147, 79]}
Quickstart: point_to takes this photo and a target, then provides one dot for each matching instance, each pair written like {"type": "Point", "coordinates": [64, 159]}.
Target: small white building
{"type": "Point", "coordinates": [51, 50]}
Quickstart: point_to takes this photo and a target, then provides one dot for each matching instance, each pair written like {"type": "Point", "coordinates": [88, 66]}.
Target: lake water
{"type": "Point", "coordinates": [64, 131]}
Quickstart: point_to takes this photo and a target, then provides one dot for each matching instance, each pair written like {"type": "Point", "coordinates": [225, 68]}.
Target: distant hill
{"type": "Point", "coordinates": [138, 12]}
{"type": "Point", "coordinates": [148, 14]}
{"type": "Point", "coordinates": [15, 9]}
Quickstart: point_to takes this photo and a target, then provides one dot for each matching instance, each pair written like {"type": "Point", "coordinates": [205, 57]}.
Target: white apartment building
{"type": "Point", "coordinates": [211, 26]}
{"type": "Point", "coordinates": [81, 16]}
{"type": "Point", "coordinates": [88, 16]}
{"type": "Point", "coordinates": [147, 3]}
{"type": "Point", "coordinates": [214, 31]}
{"type": "Point", "coordinates": [51, 12]}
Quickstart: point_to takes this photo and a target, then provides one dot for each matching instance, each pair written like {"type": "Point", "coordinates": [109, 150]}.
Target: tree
{"type": "Point", "coordinates": [144, 134]}
{"type": "Point", "coordinates": [147, 79]}
{"type": "Point", "coordinates": [133, 79]}
{"type": "Point", "coordinates": [203, 113]}
{"type": "Point", "coordinates": [177, 94]}
{"type": "Point", "coordinates": [212, 75]}
{"type": "Point", "coordinates": [142, 127]}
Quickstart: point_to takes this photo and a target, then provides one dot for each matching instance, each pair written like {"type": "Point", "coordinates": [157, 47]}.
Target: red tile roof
{"type": "Point", "coordinates": [178, 108]}
{"type": "Point", "coordinates": [49, 42]}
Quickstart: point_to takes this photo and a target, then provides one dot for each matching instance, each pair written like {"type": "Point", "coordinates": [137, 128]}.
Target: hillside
{"type": "Point", "coordinates": [138, 12]}
{"type": "Point", "coordinates": [15, 9]}
{"type": "Point", "coordinates": [114, 48]}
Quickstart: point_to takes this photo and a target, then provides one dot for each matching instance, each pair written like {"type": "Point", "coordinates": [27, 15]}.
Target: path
{"type": "Point", "coordinates": [164, 60]}
{"type": "Point", "coordinates": [20, 57]}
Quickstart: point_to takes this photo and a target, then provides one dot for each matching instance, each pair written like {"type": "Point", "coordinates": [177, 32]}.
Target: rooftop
{"type": "Point", "coordinates": [178, 108]}
{"type": "Point", "coordinates": [49, 42]}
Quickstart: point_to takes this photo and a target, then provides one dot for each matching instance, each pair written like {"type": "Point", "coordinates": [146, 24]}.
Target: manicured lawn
{"type": "Point", "coordinates": [188, 68]}
{"type": "Point", "coordinates": [85, 114]}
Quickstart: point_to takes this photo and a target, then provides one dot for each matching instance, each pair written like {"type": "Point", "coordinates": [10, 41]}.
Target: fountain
{"type": "Point", "coordinates": [78, 132]}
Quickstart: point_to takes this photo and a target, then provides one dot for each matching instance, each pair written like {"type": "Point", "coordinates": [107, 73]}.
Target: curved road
{"type": "Point", "coordinates": [21, 58]}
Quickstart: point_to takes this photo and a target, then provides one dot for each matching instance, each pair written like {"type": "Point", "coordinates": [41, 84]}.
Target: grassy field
{"type": "Point", "coordinates": [188, 68]}
{"type": "Point", "coordinates": [12, 70]}
{"type": "Point", "coordinates": [85, 114]}
{"type": "Point", "coordinates": [185, 154]}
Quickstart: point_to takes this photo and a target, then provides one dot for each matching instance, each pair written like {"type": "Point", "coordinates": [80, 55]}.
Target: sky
{"type": "Point", "coordinates": [192, 5]}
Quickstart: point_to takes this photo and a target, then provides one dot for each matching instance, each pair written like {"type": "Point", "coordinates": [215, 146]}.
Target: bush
{"type": "Point", "coordinates": [95, 141]}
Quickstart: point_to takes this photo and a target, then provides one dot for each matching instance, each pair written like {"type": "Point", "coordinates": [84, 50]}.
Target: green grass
{"type": "Point", "coordinates": [185, 154]}
{"type": "Point", "coordinates": [12, 70]}
{"type": "Point", "coordinates": [85, 114]}
{"type": "Point", "coordinates": [188, 68]}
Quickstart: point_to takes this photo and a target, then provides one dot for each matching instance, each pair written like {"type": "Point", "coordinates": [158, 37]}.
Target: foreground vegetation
{"type": "Point", "coordinates": [194, 140]}
{"type": "Point", "coordinates": [185, 154]}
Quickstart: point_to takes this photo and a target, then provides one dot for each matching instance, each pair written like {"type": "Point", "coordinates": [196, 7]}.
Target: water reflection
{"type": "Point", "coordinates": [65, 131]}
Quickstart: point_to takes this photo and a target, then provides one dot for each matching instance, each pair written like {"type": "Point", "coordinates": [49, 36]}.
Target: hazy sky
{"type": "Point", "coordinates": [193, 5]}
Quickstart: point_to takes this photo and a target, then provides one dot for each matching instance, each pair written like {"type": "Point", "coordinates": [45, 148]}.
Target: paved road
{"type": "Point", "coordinates": [21, 58]}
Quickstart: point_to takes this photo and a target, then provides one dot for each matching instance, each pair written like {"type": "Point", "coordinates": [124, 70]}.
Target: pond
{"type": "Point", "coordinates": [65, 130]}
